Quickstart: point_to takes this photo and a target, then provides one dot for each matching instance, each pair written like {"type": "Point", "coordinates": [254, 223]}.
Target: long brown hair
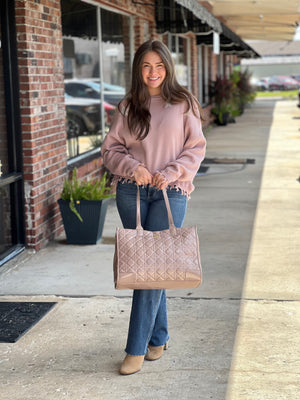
{"type": "Point", "coordinates": [138, 98]}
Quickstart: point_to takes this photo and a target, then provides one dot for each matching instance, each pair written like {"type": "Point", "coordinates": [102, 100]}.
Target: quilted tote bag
{"type": "Point", "coordinates": [168, 259]}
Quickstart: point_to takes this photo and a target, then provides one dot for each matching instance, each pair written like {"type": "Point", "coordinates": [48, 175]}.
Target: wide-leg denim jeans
{"type": "Point", "coordinates": [148, 319]}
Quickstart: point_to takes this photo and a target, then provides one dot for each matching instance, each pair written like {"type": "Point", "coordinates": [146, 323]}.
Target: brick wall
{"type": "Point", "coordinates": [194, 65]}
{"type": "Point", "coordinates": [39, 41]}
{"type": "Point", "coordinates": [214, 66]}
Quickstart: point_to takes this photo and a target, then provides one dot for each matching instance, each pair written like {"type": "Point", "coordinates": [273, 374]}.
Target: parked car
{"type": "Point", "coordinates": [282, 83]}
{"type": "Point", "coordinates": [261, 84]}
{"type": "Point", "coordinates": [297, 77]}
{"type": "Point", "coordinates": [91, 89]}
{"type": "Point", "coordinates": [83, 115]}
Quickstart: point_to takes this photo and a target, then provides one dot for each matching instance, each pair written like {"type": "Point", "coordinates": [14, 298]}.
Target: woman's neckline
{"type": "Point", "coordinates": [156, 96]}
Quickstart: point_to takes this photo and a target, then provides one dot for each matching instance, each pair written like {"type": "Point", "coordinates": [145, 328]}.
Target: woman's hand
{"type": "Point", "coordinates": [159, 181]}
{"type": "Point", "coordinates": [142, 176]}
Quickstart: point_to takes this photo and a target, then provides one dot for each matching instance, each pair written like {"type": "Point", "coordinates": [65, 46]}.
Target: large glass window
{"type": "Point", "coordinates": [179, 47]}
{"type": "Point", "coordinates": [96, 68]}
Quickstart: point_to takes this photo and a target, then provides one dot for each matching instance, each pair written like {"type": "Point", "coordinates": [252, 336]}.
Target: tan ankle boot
{"type": "Point", "coordinates": [131, 364]}
{"type": "Point", "coordinates": [155, 352]}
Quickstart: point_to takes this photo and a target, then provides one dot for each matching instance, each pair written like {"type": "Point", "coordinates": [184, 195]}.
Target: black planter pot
{"type": "Point", "coordinates": [242, 108]}
{"type": "Point", "coordinates": [224, 121]}
{"type": "Point", "coordinates": [93, 214]}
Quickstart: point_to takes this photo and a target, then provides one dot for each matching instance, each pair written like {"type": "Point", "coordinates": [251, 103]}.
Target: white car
{"type": "Point", "coordinates": [91, 89]}
{"type": "Point", "coordinates": [261, 84]}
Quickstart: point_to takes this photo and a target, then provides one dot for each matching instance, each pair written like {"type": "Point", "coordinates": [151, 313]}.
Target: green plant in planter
{"type": "Point", "coordinates": [222, 112]}
{"type": "Point", "coordinates": [75, 190]}
{"type": "Point", "coordinates": [221, 91]}
{"type": "Point", "coordinates": [243, 92]}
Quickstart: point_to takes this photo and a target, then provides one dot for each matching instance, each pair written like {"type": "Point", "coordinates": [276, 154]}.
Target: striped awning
{"type": "Point", "coordinates": [181, 16]}
{"type": "Point", "coordinates": [229, 42]}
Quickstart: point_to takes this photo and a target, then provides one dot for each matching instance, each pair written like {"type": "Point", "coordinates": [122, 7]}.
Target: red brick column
{"type": "Point", "coordinates": [38, 25]}
{"type": "Point", "coordinates": [194, 65]}
{"type": "Point", "coordinates": [215, 60]}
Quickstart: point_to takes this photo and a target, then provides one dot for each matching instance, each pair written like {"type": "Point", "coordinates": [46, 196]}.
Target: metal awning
{"type": "Point", "coordinates": [181, 16]}
{"type": "Point", "coordinates": [201, 13]}
{"type": "Point", "coordinates": [260, 19]}
{"type": "Point", "coordinates": [229, 43]}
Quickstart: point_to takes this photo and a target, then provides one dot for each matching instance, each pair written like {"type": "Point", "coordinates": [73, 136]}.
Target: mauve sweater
{"type": "Point", "coordinates": [174, 146]}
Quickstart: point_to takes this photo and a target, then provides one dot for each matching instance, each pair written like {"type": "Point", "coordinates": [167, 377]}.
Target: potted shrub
{"type": "Point", "coordinates": [83, 208]}
{"type": "Point", "coordinates": [222, 113]}
{"type": "Point", "coordinates": [221, 93]}
{"type": "Point", "coordinates": [243, 92]}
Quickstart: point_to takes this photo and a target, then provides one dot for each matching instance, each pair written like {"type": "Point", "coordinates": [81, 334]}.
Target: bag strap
{"type": "Point", "coordinates": [170, 217]}
{"type": "Point", "coordinates": [138, 209]}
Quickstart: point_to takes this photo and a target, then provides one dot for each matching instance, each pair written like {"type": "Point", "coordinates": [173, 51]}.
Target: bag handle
{"type": "Point", "coordinates": [138, 210]}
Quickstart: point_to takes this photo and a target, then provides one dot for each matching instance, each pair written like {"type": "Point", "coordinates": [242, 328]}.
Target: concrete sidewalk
{"type": "Point", "coordinates": [236, 337]}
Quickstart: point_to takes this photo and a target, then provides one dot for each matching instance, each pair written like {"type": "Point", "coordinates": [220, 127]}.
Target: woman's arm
{"type": "Point", "coordinates": [185, 167]}
{"type": "Point", "coordinates": [114, 151]}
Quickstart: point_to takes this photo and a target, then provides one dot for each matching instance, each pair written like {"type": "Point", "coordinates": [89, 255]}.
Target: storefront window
{"type": "Point", "coordinates": [179, 48]}
{"type": "Point", "coordinates": [96, 65]}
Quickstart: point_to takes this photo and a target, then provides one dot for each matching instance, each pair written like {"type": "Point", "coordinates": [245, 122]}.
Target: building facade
{"type": "Point", "coordinates": [65, 65]}
{"type": "Point", "coordinates": [277, 58]}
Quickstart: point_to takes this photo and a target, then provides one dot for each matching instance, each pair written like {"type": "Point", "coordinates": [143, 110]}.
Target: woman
{"type": "Point", "coordinates": [156, 142]}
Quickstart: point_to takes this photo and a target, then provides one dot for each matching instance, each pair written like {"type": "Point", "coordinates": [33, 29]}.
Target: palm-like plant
{"type": "Point", "coordinates": [222, 96]}
{"type": "Point", "coordinates": [75, 190]}
{"type": "Point", "coordinates": [243, 92]}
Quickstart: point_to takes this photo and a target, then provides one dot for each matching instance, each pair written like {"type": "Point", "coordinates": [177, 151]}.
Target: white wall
{"type": "Point", "coordinates": [268, 66]}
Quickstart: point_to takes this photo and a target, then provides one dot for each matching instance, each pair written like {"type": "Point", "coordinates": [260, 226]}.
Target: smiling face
{"type": "Point", "coordinates": [153, 72]}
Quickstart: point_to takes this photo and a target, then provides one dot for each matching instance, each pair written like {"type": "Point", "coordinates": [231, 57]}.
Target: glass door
{"type": "Point", "coordinates": [11, 178]}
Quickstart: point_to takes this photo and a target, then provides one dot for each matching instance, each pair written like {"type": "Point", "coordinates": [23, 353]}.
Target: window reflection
{"type": "Point", "coordinates": [178, 46]}
{"type": "Point", "coordinates": [91, 101]}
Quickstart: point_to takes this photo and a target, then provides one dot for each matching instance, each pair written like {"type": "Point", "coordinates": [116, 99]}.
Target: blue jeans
{"type": "Point", "coordinates": [148, 319]}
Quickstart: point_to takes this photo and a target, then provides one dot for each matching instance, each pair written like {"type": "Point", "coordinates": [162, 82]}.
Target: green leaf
{"type": "Point", "coordinates": [75, 190]}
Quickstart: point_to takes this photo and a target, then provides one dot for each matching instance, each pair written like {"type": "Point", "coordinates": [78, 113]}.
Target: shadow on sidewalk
{"type": "Point", "coordinates": [224, 206]}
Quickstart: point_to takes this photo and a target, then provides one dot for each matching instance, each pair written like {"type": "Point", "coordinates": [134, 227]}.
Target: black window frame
{"type": "Point", "coordinates": [13, 179]}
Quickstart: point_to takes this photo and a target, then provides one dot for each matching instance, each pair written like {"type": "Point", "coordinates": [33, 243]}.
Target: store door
{"type": "Point", "coordinates": [12, 238]}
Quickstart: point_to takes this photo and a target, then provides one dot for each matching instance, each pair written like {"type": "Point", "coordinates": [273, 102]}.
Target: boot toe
{"type": "Point", "coordinates": [131, 364]}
